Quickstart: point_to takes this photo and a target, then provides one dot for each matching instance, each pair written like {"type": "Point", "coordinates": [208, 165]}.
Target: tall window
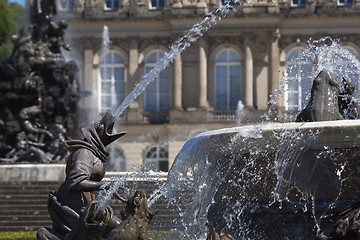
{"type": "Point", "coordinates": [112, 77]}
{"type": "Point", "coordinates": [111, 5]}
{"type": "Point", "coordinates": [157, 4]}
{"type": "Point", "coordinates": [157, 94]}
{"type": "Point", "coordinates": [298, 80]}
{"type": "Point", "coordinates": [345, 2]}
{"type": "Point", "coordinates": [227, 80]}
{"type": "Point", "coordinates": [157, 159]}
{"type": "Point", "coordinates": [298, 3]}
{"type": "Point", "coordinates": [66, 5]}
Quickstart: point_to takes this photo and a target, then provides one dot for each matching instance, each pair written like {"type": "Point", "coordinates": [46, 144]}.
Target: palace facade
{"type": "Point", "coordinates": [225, 79]}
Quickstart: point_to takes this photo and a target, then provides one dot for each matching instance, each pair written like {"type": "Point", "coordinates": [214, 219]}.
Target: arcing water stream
{"type": "Point", "coordinates": [177, 48]}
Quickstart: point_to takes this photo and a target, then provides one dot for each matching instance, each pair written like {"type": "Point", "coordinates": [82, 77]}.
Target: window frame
{"type": "Point", "coordinates": [160, 4]}
{"type": "Point", "coordinates": [114, 5]}
{"type": "Point", "coordinates": [112, 66]}
{"type": "Point", "coordinates": [228, 64]}
{"type": "Point", "coordinates": [70, 4]}
{"type": "Point", "coordinates": [298, 3]}
{"type": "Point", "coordinates": [156, 161]}
{"type": "Point", "coordinates": [158, 93]}
{"type": "Point", "coordinates": [346, 3]}
{"type": "Point", "coordinates": [300, 92]}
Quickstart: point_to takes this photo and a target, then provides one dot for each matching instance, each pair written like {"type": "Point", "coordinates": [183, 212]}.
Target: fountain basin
{"type": "Point", "coordinates": [271, 181]}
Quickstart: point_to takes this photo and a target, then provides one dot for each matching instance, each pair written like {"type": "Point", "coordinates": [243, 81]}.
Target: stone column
{"type": "Point", "coordinates": [134, 112]}
{"type": "Point", "coordinates": [202, 7]}
{"type": "Point", "coordinates": [274, 62]}
{"type": "Point", "coordinates": [178, 83]}
{"type": "Point", "coordinates": [249, 71]}
{"type": "Point", "coordinates": [133, 59]}
{"type": "Point", "coordinates": [203, 103]}
{"type": "Point", "coordinates": [90, 79]}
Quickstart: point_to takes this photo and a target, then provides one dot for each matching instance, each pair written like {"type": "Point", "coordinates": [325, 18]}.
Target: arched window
{"type": "Point", "coordinates": [157, 94]}
{"type": "Point", "coordinates": [116, 161]}
{"type": "Point", "coordinates": [298, 80]}
{"type": "Point", "coordinates": [66, 5]}
{"type": "Point", "coordinates": [227, 80]}
{"type": "Point", "coordinates": [112, 81]}
{"type": "Point", "coordinates": [157, 159]}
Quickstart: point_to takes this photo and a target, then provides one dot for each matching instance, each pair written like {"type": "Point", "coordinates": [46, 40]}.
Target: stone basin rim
{"type": "Point", "coordinates": [266, 127]}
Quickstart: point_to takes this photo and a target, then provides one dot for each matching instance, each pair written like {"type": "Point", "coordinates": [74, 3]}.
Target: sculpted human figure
{"type": "Point", "coordinates": [84, 172]}
{"type": "Point", "coordinates": [26, 150]}
{"type": "Point", "coordinates": [29, 117]}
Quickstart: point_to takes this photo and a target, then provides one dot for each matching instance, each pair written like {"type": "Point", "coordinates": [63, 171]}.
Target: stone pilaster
{"type": "Point", "coordinates": [134, 111]}
{"type": "Point", "coordinates": [274, 62]}
{"type": "Point", "coordinates": [203, 102]}
{"type": "Point", "coordinates": [90, 80]}
{"type": "Point", "coordinates": [178, 82]}
{"type": "Point", "coordinates": [249, 71]}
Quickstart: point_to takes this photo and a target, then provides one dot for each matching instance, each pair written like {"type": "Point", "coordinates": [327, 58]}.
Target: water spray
{"type": "Point", "coordinates": [197, 31]}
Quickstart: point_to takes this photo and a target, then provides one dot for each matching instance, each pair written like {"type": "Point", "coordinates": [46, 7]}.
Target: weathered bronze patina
{"type": "Point", "coordinates": [215, 236]}
{"type": "Point", "coordinates": [84, 172]}
{"type": "Point", "coordinates": [38, 90]}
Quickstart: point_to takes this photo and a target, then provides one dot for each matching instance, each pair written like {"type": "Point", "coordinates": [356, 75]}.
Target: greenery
{"type": "Point", "coordinates": [18, 235]}
{"type": "Point", "coordinates": [10, 14]}
{"type": "Point", "coordinates": [32, 235]}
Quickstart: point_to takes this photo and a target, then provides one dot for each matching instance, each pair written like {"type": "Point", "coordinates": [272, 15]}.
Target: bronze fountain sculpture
{"type": "Point", "coordinates": [74, 209]}
{"type": "Point", "coordinates": [37, 91]}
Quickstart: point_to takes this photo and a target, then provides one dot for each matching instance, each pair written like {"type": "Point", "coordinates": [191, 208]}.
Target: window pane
{"type": "Point", "coordinates": [298, 80]}
{"type": "Point", "coordinates": [234, 57]}
{"type": "Point", "coordinates": [293, 101]}
{"type": "Point", "coordinates": [117, 59]}
{"type": "Point", "coordinates": [221, 102]}
{"type": "Point", "coordinates": [150, 103]}
{"type": "Point", "coordinates": [164, 166]}
{"type": "Point", "coordinates": [105, 73]}
{"type": "Point", "coordinates": [151, 89]}
{"type": "Point", "coordinates": [106, 87]}
{"type": "Point", "coordinates": [164, 103]}
{"type": "Point", "coordinates": [157, 94]}
{"type": "Point", "coordinates": [119, 74]}
{"type": "Point", "coordinates": [106, 101]}
{"type": "Point", "coordinates": [221, 57]}
{"type": "Point", "coordinates": [151, 58]}
{"type": "Point", "coordinates": [116, 4]}
{"type": "Point", "coordinates": [119, 88]}
{"type": "Point", "coordinates": [221, 87]}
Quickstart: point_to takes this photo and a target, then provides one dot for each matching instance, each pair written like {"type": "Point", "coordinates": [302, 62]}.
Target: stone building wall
{"type": "Point", "coordinates": [262, 33]}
